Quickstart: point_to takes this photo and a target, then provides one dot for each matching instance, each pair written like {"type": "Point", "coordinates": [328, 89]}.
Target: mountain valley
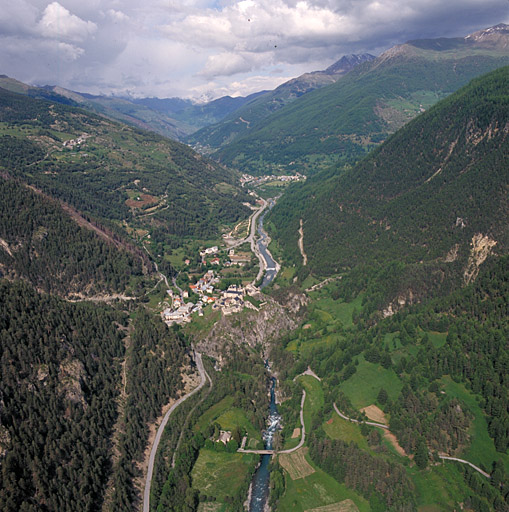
{"type": "Point", "coordinates": [341, 254]}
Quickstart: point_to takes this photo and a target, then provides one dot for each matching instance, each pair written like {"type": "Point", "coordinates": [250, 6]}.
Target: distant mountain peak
{"type": "Point", "coordinates": [496, 36]}
{"type": "Point", "coordinates": [347, 62]}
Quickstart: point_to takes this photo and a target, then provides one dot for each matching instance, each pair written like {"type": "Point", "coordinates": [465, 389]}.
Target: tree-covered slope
{"type": "Point", "coordinates": [41, 243]}
{"type": "Point", "coordinates": [428, 206]}
{"type": "Point", "coordinates": [126, 178]}
{"type": "Point", "coordinates": [65, 415]}
{"type": "Point", "coordinates": [344, 120]}
{"type": "Point", "coordinates": [256, 111]}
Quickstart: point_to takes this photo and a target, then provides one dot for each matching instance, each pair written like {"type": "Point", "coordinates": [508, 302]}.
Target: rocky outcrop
{"type": "Point", "coordinates": [481, 247]}
{"type": "Point", "coordinates": [399, 303]}
{"type": "Point", "coordinates": [72, 375]}
{"type": "Point", "coordinates": [254, 328]}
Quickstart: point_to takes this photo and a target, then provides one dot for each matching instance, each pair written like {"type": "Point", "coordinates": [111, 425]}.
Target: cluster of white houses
{"type": "Point", "coordinates": [75, 142]}
{"type": "Point", "coordinates": [258, 180]}
{"type": "Point", "coordinates": [229, 301]}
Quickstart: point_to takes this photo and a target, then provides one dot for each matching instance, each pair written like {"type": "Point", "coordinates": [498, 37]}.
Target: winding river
{"type": "Point", "coordinates": [261, 478]}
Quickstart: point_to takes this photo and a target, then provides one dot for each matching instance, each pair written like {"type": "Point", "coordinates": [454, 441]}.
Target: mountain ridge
{"type": "Point", "coordinates": [440, 216]}
{"type": "Point", "coordinates": [346, 119]}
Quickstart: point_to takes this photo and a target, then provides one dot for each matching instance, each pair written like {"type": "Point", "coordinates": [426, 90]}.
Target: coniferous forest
{"type": "Point", "coordinates": [390, 309]}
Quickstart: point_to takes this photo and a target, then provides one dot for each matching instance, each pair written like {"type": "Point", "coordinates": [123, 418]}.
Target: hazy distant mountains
{"type": "Point", "coordinates": [177, 118]}
{"type": "Point", "coordinates": [240, 121]}
{"type": "Point", "coordinates": [316, 119]}
{"type": "Point", "coordinates": [345, 119]}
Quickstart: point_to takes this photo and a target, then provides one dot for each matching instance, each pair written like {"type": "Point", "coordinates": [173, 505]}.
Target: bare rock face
{"type": "Point", "coordinates": [452, 255]}
{"type": "Point", "coordinates": [480, 248]}
{"type": "Point", "coordinates": [254, 328]}
{"type": "Point", "coordinates": [71, 376]}
{"type": "Point", "coordinates": [399, 303]}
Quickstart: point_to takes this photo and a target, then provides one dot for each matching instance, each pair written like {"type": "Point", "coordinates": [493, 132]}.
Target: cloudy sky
{"type": "Point", "coordinates": [209, 48]}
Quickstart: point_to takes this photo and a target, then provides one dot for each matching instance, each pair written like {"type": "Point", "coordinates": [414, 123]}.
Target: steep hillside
{"type": "Point", "coordinates": [132, 181]}
{"type": "Point", "coordinates": [68, 408]}
{"type": "Point", "coordinates": [43, 244]}
{"type": "Point", "coordinates": [345, 119]}
{"type": "Point", "coordinates": [424, 210]}
{"type": "Point", "coordinates": [258, 110]}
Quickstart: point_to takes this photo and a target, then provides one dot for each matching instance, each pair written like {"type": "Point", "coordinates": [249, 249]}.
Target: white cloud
{"type": "Point", "coordinates": [196, 47]}
{"type": "Point", "coordinates": [117, 16]}
{"type": "Point", "coordinates": [229, 63]}
{"type": "Point", "coordinates": [58, 23]}
{"type": "Point", "coordinates": [17, 17]}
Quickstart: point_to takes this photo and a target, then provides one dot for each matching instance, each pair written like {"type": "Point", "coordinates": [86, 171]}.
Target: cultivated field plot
{"type": "Point", "coordinates": [375, 414]}
{"type": "Point", "coordinates": [296, 464]}
{"type": "Point", "coordinates": [342, 506]}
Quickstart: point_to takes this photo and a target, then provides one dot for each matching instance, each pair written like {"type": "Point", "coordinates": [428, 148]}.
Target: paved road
{"type": "Point", "coordinates": [444, 457]}
{"type": "Point", "coordinates": [252, 231]}
{"type": "Point", "coordinates": [303, 436]}
{"type": "Point", "coordinates": [204, 376]}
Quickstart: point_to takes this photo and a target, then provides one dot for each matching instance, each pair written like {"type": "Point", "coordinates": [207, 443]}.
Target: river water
{"type": "Point", "coordinates": [261, 479]}
{"type": "Point", "coordinates": [263, 242]}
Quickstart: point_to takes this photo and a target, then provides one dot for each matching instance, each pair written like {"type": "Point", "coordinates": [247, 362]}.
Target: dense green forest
{"type": "Point", "coordinates": [405, 217]}
{"type": "Point", "coordinates": [42, 244]}
{"type": "Point", "coordinates": [60, 373]}
{"type": "Point", "coordinates": [155, 359]}
{"type": "Point", "coordinates": [414, 321]}
{"type": "Point", "coordinates": [412, 326]}
{"type": "Point", "coordinates": [438, 370]}
{"type": "Point", "coordinates": [126, 178]}
{"type": "Point", "coordinates": [64, 395]}
{"type": "Point", "coordinates": [258, 107]}
{"type": "Point", "coordinates": [344, 120]}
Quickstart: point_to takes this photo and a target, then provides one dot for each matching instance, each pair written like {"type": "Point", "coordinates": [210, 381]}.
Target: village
{"type": "Point", "coordinates": [210, 289]}
{"type": "Point", "coordinates": [231, 300]}
{"type": "Point", "coordinates": [255, 181]}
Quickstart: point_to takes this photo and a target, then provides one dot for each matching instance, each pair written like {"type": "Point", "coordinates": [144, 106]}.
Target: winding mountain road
{"type": "Point", "coordinates": [303, 436]}
{"type": "Point", "coordinates": [443, 457]}
{"type": "Point", "coordinates": [150, 471]}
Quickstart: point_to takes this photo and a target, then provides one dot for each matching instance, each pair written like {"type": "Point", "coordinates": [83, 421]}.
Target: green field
{"type": "Point", "coordinates": [316, 490]}
{"type": "Point", "coordinates": [221, 474]}
{"type": "Point", "coordinates": [314, 398]}
{"type": "Point", "coordinates": [439, 488]}
{"type": "Point", "coordinates": [308, 345]}
{"type": "Point", "coordinates": [345, 430]}
{"type": "Point", "coordinates": [213, 413]}
{"type": "Point", "coordinates": [228, 417]}
{"type": "Point", "coordinates": [337, 309]}
{"type": "Point", "coordinates": [363, 387]}
{"type": "Point", "coordinates": [235, 417]}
